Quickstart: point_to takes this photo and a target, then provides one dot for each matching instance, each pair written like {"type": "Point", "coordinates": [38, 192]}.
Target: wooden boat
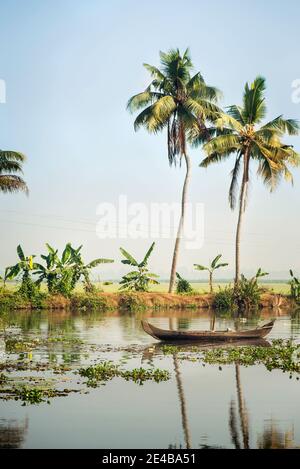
{"type": "Point", "coordinates": [207, 336]}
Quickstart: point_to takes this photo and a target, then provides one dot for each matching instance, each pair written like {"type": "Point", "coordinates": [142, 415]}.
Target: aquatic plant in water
{"type": "Point", "coordinates": [107, 370]}
{"type": "Point", "coordinates": [282, 355]}
{"type": "Point", "coordinates": [101, 372]}
{"type": "Point", "coordinates": [140, 375]}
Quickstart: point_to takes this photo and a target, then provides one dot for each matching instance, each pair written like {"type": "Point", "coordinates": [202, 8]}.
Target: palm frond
{"type": "Point", "coordinates": [254, 107]}
{"type": "Point", "coordinates": [203, 108]}
{"type": "Point", "coordinates": [12, 156]}
{"type": "Point", "coordinates": [163, 109]}
{"type": "Point", "coordinates": [12, 183]}
{"type": "Point", "coordinates": [222, 144]}
{"type": "Point", "coordinates": [8, 165]}
{"type": "Point", "coordinates": [214, 158]}
{"type": "Point", "coordinates": [226, 122]}
{"type": "Point", "coordinates": [236, 112]}
{"type": "Point", "coordinates": [155, 72]}
{"type": "Point", "coordinates": [143, 99]}
{"type": "Point", "coordinates": [176, 66]}
{"type": "Point", "coordinates": [147, 119]}
{"type": "Point", "coordinates": [283, 126]}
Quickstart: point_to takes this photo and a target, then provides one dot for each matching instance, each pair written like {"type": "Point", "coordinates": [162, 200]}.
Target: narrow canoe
{"type": "Point", "coordinates": [207, 336]}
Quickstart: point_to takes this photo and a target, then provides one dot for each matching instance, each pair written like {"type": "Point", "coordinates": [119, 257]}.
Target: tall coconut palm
{"type": "Point", "coordinates": [10, 166]}
{"type": "Point", "coordinates": [181, 103]}
{"type": "Point", "coordinates": [240, 132]}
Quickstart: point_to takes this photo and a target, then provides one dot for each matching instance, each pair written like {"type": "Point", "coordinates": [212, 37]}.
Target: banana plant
{"type": "Point", "coordinates": [58, 271]}
{"type": "Point", "coordinates": [2, 279]}
{"type": "Point", "coordinates": [295, 286]}
{"type": "Point", "coordinates": [260, 273]}
{"type": "Point", "coordinates": [22, 269]}
{"type": "Point", "coordinates": [139, 279]}
{"type": "Point", "coordinates": [25, 265]}
{"type": "Point", "coordinates": [49, 272]}
{"type": "Point", "coordinates": [63, 273]}
{"type": "Point", "coordinates": [5, 277]}
{"type": "Point", "coordinates": [247, 291]}
{"type": "Point", "coordinates": [83, 270]}
{"type": "Point", "coordinates": [213, 266]}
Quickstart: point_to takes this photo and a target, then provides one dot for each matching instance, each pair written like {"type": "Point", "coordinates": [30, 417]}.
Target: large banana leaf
{"type": "Point", "coordinates": [145, 260]}
{"type": "Point", "coordinates": [129, 258]}
{"type": "Point", "coordinates": [20, 253]}
{"type": "Point", "coordinates": [96, 262]}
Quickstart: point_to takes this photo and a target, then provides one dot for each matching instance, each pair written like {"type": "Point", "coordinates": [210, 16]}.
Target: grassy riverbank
{"type": "Point", "coordinates": [104, 301]}
{"type": "Point", "coordinates": [278, 287]}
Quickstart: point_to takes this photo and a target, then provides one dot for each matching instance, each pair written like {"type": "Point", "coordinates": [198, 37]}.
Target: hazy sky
{"type": "Point", "coordinates": [70, 67]}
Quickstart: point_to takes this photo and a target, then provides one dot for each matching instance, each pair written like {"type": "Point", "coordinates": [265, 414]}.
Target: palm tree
{"type": "Point", "coordinates": [11, 163]}
{"type": "Point", "coordinates": [182, 104]}
{"type": "Point", "coordinates": [240, 132]}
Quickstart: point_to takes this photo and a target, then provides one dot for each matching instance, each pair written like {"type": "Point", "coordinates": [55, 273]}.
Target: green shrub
{"type": "Point", "coordinates": [131, 301]}
{"type": "Point", "coordinates": [244, 295]}
{"type": "Point", "coordinates": [28, 288]}
{"type": "Point", "coordinates": [13, 300]}
{"type": "Point", "coordinates": [182, 285]}
{"type": "Point", "coordinates": [247, 293]}
{"type": "Point", "coordinates": [90, 301]}
{"type": "Point", "coordinates": [224, 300]}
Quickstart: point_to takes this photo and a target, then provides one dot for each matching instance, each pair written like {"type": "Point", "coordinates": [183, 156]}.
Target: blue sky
{"type": "Point", "coordinates": [70, 67]}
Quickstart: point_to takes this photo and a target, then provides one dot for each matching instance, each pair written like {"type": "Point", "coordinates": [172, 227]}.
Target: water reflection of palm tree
{"type": "Point", "coordinates": [180, 390]}
{"type": "Point", "coordinates": [243, 414]}
{"type": "Point", "coordinates": [272, 438]}
{"type": "Point", "coordinates": [12, 434]}
{"type": "Point", "coordinates": [212, 321]}
{"type": "Point", "coordinates": [184, 417]}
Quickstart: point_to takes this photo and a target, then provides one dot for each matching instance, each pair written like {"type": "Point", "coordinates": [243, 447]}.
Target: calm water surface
{"type": "Point", "coordinates": [236, 407]}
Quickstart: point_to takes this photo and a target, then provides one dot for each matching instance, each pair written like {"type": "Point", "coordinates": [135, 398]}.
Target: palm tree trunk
{"type": "Point", "coordinates": [240, 218]}
{"type": "Point", "coordinates": [181, 222]}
